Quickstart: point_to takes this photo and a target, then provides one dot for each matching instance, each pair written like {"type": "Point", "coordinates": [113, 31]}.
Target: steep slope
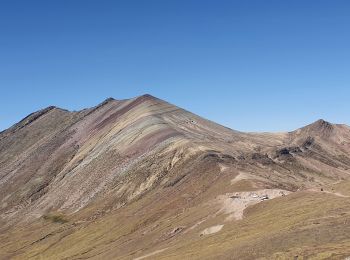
{"type": "Point", "coordinates": [64, 160]}
{"type": "Point", "coordinates": [134, 177]}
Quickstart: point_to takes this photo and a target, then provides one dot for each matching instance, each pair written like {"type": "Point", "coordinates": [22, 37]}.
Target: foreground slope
{"type": "Point", "coordinates": [143, 178]}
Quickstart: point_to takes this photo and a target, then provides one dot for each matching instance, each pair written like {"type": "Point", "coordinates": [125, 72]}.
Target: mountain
{"type": "Point", "coordinates": [142, 178]}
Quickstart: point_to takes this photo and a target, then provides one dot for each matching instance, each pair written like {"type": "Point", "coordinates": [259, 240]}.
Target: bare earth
{"type": "Point", "coordinates": [144, 179]}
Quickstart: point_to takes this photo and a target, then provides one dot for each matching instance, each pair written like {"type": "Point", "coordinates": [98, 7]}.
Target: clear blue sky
{"type": "Point", "coordinates": [250, 65]}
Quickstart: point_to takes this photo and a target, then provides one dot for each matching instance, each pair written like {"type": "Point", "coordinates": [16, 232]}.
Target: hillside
{"type": "Point", "coordinates": [144, 179]}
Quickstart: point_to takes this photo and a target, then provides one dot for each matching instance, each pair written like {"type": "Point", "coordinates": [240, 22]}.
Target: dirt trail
{"type": "Point", "coordinates": [151, 254]}
{"type": "Point", "coordinates": [330, 192]}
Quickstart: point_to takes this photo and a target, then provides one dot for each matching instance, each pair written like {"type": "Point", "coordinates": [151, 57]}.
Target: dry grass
{"type": "Point", "coordinates": [310, 225]}
{"type": "Point", "coordinates": [143, 178]}
{"type": "Point", "coordinates": [55, 218]}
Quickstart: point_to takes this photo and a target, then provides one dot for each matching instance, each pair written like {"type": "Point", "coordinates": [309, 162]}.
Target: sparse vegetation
{"type": "Point", "coordinates": [154, 196]}
{"type": "Point", "coordinates": [55, 218]}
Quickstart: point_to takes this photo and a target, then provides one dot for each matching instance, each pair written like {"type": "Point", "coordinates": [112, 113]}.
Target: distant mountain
{"type": "Point", "coordinates": [142, 178]}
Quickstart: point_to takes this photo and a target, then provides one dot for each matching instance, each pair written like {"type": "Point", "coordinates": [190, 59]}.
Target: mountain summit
{"type": "Point", "coordinates": [137, 178]}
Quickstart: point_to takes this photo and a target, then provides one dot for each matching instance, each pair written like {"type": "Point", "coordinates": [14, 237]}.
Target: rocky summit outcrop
{"type": "Point", "coordinates": [143, 178]}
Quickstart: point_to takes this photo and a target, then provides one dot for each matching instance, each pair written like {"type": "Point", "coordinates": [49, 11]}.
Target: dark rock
{"type": "Point", "coordinates": [308, 142]}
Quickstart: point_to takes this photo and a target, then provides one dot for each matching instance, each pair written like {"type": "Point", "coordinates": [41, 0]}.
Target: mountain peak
{"type": "Point", "coordinates": [111, 100]}
{"type": "Point", "coordinates": [322, 125]}
{"type": "Point", "coordinates": [148, 97]}
{"type": "Point", "coordinates": [107, 100]}
{"type": "Point", "coordinates": [322, 122]}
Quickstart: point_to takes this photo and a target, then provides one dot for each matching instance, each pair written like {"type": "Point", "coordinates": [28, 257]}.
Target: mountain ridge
{"type": "Point", "coordinates": [146, 163]}
{"type": "Point", "coordinates": [317, 123]}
